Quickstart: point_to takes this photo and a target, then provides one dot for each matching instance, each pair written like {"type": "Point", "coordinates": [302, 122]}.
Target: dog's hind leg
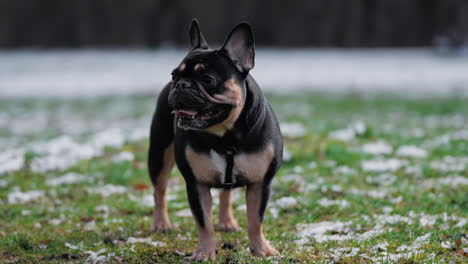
{"type": "Point", "coordinates": [161, 159]}
{"type": "Point", "coordinates": [227, 222]}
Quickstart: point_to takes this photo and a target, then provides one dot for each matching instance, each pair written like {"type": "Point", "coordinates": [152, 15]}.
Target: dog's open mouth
{"type": "Point", "coordinates": [192, 114]}
{"type": "Point", "coordinates": [199, 119]}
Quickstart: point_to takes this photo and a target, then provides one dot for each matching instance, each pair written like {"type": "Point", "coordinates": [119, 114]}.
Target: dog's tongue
{"type": "Point", "coordinates": [184, 112]}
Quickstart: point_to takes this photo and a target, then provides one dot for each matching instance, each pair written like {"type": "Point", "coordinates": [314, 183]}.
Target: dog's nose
{"type": "Point", "coordinates": [182, 84]}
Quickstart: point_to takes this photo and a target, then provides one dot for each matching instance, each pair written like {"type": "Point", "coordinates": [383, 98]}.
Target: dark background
{"type": "Point", "coordinates": [153, 23]}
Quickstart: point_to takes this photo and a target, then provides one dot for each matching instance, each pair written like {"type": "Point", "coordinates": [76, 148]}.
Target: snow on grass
{"type": "Point", "coordinates": [412, 152]}
{"type": "Point", "coordinates": [324, 199]}
{"type": "Point", "coordinates": [184, 213]}
{"type": "Point", "coordinates": [383, 165]}
{"type": "Point", "coordinates": [68, 178]}
{"type": "Point", "coordinates": [377, 148]}
{"type": "Point", "coordinates": [327, 203]}
{"type": "Point", "coordinates": [110, 72]}
{"type": "Point", "coordinates": [16, 197]}
{"type": "Point", "coordinates": [108, 190]}
{"type": "Point", "coordinates": [293, 130]}
{"type": "Point", "coordinates": [98, 256]}
{"type": "Point", "coordinates": [332, 231]}
{"type": "Point", "coordinates": [148, 240]}
{"type": "Point", "coordinates": [11, 160]}
{"type": "Point", "coordinates": [123, 156]}
{"type": "Point", "coordinates": [382, 179]}
{"type": "Point", "coordinates": [349, 133]}
{"type": "Point", "coordinates": [286, 202]}
{"type": "Point", "coordinates": [450, 164]}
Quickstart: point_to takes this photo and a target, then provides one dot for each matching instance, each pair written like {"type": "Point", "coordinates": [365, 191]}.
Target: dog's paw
{"type": "Point", "coordinates": [202, 254]}
{"type": "Point", "coordinates": [161, 226]}
{"type": "Point", "coordinates": [228, 226]}
{"type": "Point", "coordinates": [263, 249]}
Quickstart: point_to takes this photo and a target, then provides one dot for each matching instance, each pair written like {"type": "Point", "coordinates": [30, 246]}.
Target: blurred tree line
{"type": "Point", "coordinates": [338, 23]}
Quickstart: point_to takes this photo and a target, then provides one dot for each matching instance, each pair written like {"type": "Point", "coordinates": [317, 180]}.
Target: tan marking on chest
{"type": "Point", "coordinates": [207, 168]}
{"type": "Point", "coordinates": [253, 166]}
{"type": "Point", "coordinates": [211, 168]}
{"type": "Point", "coordinates": [233, 95]}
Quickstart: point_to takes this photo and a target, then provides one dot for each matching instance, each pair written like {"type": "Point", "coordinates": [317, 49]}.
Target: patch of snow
{"type": "Point", "coordinates": [344, 170]}
{"type": "Point", "coordinates": [447, 244]}
{"type": "Point", "coordinates": [11, 160]}
{"type": "Point", "coordinates": [17, 197]}
{"type": "Point", "coordinates": [340, 232]}
{"type": "Point", "coordinates": [184, 213]}
{"type": "Point", "coordinates": [327, 203]}
{"type": "Point", "coordinates": [338, 253]}
{"type": "Point", "coordinates": [68, 178]}
{"type": "Point", "coordinates": [242, 207]}
{"type": "Point", "coordinates": [148, 240]}
{"type": "Point", "coordinates": [108, 189]}
{"type": "Point", "coordinates": [104, 209]}
{"type": "Point", "coordinates": [384, 179]}
{"type": "Point", "coordinates": [287, 155]}
{"type": "Point", "coordinates": [3, 183]}
{"type": "Point", "coordinates": [450, 164]}
{"type": "Point", "coordinates": [346, 134]}
{"type": "Point", "coordinates": [96, 257]}
{"type": "Point", "coordinates": [286, 202]}
{"type": "Point", "coordinates": [382, 165]}
{"type": "Point", "coordinates": [387, 209]}
{"type": "Point", "coordinates": [411, 151]}
{"type": "Point", "coordinates": [123, 156]}
{"type": "Point", "coordinates": [377, 148]}
{"type": "Point", "coordinates": [453, 180]}
{"type": "Point", "coordinates": [401, 71]}
{"type": "Point", "coordinates": [420, 241]}
{"type": "Point", "coordinates": [293, 130]}
{"type": "Point", "coordinates": [74, 247]}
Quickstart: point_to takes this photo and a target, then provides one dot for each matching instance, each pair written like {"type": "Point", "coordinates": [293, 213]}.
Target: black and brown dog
{"type": "Point", "coordinates": [213, 120]}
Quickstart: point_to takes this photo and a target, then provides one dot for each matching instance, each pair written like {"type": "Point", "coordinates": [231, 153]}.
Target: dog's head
{"type": "Point", "coordinates": [208, 86]}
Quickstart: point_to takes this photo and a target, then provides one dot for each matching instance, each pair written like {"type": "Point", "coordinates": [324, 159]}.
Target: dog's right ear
{"type": "Point", "coordinates": [197, 41]}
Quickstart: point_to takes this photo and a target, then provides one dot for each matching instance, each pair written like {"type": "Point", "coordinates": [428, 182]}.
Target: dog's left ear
{"type": "Point", "coordinates": [240, 47]}
{"type": "Point", "coordinates": [197, 41]}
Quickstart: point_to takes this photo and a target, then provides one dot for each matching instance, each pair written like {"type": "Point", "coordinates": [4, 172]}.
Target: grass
{"type": "Point", "coordinates": [71, 222]}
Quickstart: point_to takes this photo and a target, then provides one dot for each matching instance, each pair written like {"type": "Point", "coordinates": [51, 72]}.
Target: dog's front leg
{"type": "Point", "coordinates": [200, 201]}
{"type": "Point", "coordinates": [257, 195]}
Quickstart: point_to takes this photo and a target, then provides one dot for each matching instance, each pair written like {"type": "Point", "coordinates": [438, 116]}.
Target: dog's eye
{"type": "Point", "coordinates": [207, 79]}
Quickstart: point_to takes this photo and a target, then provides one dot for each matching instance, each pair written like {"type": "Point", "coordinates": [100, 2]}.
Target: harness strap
{"type": "Point", "coordinates": [229, 166]}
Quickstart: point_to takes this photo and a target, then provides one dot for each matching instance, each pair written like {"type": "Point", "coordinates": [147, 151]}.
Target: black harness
{"type": "Point", "coordinates": [228, 181]}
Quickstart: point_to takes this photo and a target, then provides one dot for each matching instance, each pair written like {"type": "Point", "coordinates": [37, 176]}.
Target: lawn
{"type": "Point", "coordinates": [367, 179]}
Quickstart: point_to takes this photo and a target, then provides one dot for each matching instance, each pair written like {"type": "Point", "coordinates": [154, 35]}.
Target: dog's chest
{"type": "Point", "coordinates": [211, 167]}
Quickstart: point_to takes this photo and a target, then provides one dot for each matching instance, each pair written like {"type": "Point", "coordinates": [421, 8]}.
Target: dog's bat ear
{"type": "Point", "coordinates": [240, 47]}
{"type": "Point", "coordinates": [197, 41]}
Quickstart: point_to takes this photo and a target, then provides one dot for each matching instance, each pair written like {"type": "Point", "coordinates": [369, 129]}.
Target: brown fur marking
{"type": "Point", "coordinates": [258, 243]}
{"type": "Point", "coordinates": [206, 244]}
{"type": "Point", "coordinates": [234, 96]}
{"type": "Point", "coordinates": [227, 222]}
{"type": "Point", "coordinates": [206, 168]}
{"type": "Point", "coordinates": [253, 166]}
{"type": "Point", "coordinates": [160, 217]}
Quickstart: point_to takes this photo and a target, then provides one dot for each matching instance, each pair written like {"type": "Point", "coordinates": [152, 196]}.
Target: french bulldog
{"type": "Point", "coordinates": [214, 122]}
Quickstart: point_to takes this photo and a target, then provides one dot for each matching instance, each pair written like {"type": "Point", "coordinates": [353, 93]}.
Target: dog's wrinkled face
{"type": "Point", "coordinates": [208, 85]}
{"type": "Point", "coordinates": [197, 84]}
